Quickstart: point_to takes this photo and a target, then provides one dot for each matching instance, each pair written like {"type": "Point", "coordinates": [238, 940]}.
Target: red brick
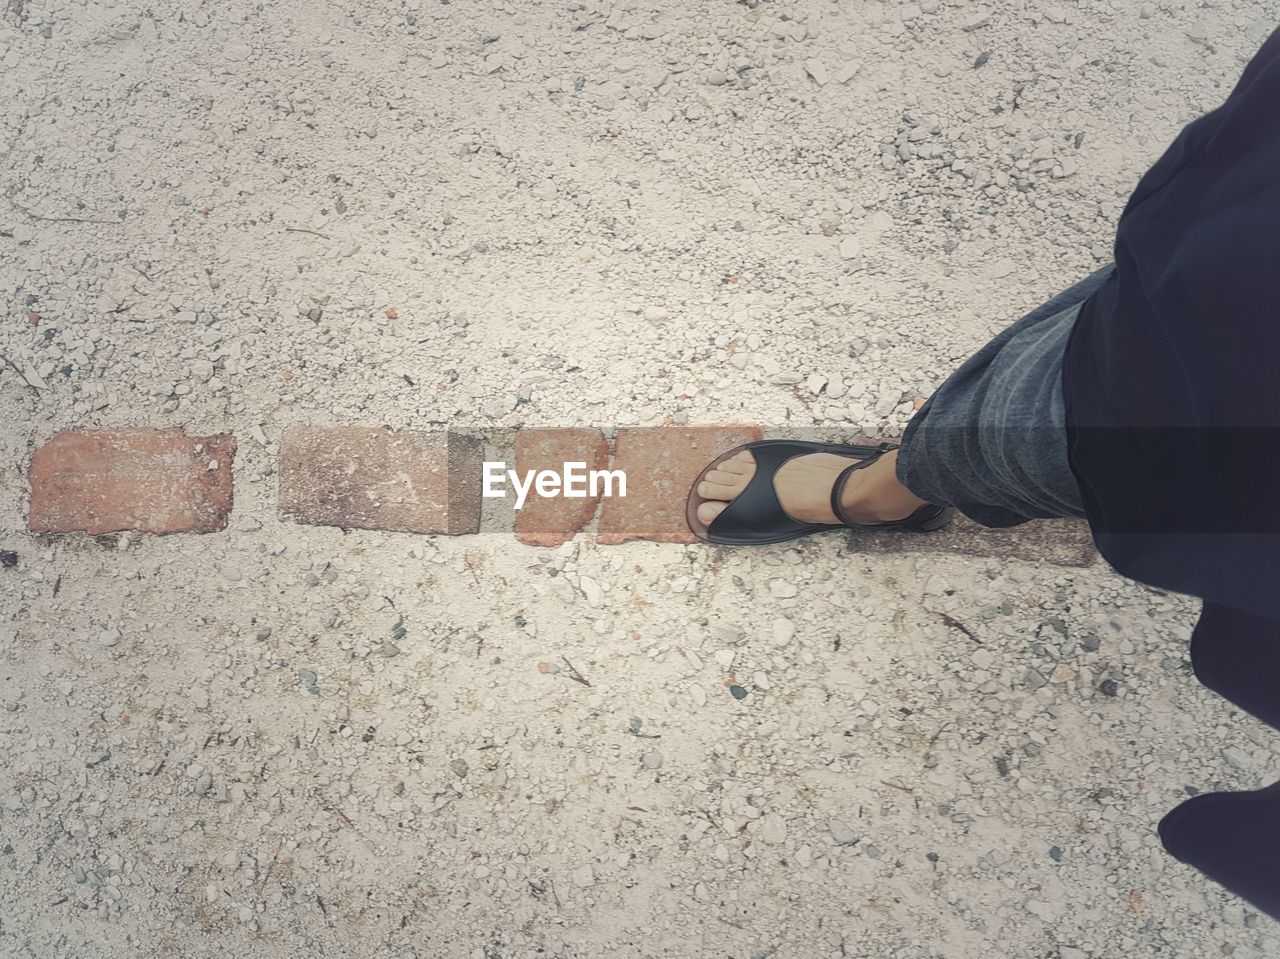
{"type": "Point", "coordinates": [146, 480]}
{"type": "Point", "coordinates": [1062, 542]}
{"type": "Point", "coordinates": [661, 464]}
{"type": "Point", "coordinates": [361, 477]}
{"type": "Point", "coordinates": [550, 521]}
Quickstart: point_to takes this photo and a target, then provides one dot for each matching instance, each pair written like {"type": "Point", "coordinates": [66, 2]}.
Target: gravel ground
{"type": "Point", "coordinates": [284, 741]}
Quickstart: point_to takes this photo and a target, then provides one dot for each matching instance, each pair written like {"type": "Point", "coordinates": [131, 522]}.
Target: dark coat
{"type": "Point", "coordinates": [1172, 374]}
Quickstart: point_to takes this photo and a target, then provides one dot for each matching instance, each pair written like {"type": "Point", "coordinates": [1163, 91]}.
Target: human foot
{"type": "Point", "coordinates": [803, 486]}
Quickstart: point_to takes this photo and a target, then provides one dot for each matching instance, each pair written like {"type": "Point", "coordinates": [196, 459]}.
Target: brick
{"type": "Point", "coordinates": [661, 464]}
{"type": "Point", "coordinates": [370, 477]}
{"type": "Point", "coordinates": [144, 480]}
{"type": "Point", "coordinates": [1063, 542]}
{"type": "Point", "coordinates": [550, 521]}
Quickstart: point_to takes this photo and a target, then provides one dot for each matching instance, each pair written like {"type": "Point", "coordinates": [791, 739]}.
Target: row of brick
{"type": "Point", "coordinates": [164, 481]}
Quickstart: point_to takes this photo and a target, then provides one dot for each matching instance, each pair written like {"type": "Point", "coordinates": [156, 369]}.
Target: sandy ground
{"type": "Point", "coordinates": [282, 741]}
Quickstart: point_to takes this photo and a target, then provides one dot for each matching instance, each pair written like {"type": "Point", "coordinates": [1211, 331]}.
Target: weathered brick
{"type": "Point", "coordinates": [661, 464]}
{"type": "Point", "coordinates": [145, 480]}
{"type": "Point", "coordinates": [360, 477]}
{"type": "Point", "coordinates": [1064, 542]}
{"type": "Point", "coordinates": [550, 521]}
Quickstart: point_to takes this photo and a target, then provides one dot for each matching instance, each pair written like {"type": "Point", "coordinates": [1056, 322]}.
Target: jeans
{"type": "Point", "coordinates": [991, 441]}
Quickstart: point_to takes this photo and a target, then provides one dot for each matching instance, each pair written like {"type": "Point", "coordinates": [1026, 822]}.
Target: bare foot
{"type": "Point", "coordinates": [803, 485]}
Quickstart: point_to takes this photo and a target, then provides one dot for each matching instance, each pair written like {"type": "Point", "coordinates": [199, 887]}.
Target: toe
{"type": "Point", "coordinates": [722, 483]}
{"type": "Point", "coordinates": [722, 477]}
{"type": "Point", "coordinates": [707, 512]}
{"type": "Point", "coordinates": [741, 463]}
{"type": "Point", "coordinates": [710, 490]}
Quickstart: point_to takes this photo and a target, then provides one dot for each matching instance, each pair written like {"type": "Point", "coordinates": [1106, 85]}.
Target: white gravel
{"type": "Point", "coordinates": [284, 741]}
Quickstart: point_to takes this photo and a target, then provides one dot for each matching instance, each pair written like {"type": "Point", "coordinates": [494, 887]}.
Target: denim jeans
{"type": "Point", "coordinates": [991, 441]}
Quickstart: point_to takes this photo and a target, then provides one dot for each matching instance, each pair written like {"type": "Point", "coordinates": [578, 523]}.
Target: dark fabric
{"type": "Point", "coordinates": [991, 440]}
{"type": "Point", "coordinates": [1237, 655]}
{"type": "Point", "coordinates": [1172, 419]}
{"type": "Point", "coordinates": [1234, 839]}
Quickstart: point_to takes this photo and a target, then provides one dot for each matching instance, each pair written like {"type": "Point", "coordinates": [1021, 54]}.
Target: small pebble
{"type": "Point", "coordinates": [1237, 758]}
{"type": "Point", "coordinates": [841, 833]}
{"type": "Point", "coordinates": [773, 829]}
{"type": "Point", "coordinates": [816, 70]}
{"type": "Point", "coordinates": [783, 632]}
{"type": "Point", "coordinates": [781, 589]}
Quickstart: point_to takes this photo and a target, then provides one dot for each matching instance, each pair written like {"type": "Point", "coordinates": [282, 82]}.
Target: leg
{"type": "Point", "coordinates": [1007, 471]}
{"type": "Point", "coordinates": [991, 440]}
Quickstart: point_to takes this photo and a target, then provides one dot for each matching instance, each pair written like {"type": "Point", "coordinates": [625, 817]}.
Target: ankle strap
{"type": "Point", "coordinates": [837, 488]}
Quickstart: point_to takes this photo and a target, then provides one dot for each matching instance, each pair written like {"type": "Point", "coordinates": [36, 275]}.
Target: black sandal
{"type": "Point", "coordinates": [755, 517]}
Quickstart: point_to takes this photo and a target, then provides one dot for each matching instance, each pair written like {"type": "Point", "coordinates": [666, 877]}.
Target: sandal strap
{"type": "Point", "coordinates": [920, 519]}
{"type": "Point", "coordinates": [757, 508]}
{"type": "Point", "coordinates": [837, 488]}
{"type": "Point", "coordinates": [756, 515]}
